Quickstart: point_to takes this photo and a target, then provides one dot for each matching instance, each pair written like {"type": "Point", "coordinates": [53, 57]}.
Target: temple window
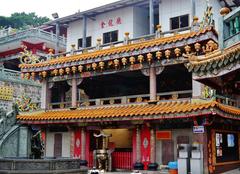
{"type": "Point", "coordinates": [88, 42]}
{"type": "Point", "coordinates": [179, 22]}
{"type": "Point", "coordinates": [110, 37]}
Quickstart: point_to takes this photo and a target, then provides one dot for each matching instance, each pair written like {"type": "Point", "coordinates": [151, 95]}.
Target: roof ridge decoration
{"type": "Point", "coordinates": [163, 110]}
{"type": "Point", "coordinates": [213, 62]}
{"type": "Point", "coordinates": [27, 57]}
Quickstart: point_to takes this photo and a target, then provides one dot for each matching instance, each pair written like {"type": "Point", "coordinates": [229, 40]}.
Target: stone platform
{"type": "Point", "coordinates": [42, 166]}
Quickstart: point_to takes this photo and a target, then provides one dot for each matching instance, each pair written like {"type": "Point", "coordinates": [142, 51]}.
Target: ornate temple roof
{"type": "Point", "coordinates": [215, 62]}
{"type": "Point", "coordinates": [167, 48]}
{"type": "Point", "coordinates": [162, 110]}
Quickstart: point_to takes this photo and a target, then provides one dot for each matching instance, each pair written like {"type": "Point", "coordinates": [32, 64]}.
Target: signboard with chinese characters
{"type": "Point", "coordinates": [6, 93]}
{"type": "Point", "coordinates": [111, 22]}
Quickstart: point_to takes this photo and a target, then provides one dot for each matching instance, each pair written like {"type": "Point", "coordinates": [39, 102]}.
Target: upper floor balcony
{"type": "Point", "coordinates": [7, 37]}
{"type": "Point", "coordinates": [8, 75]}
{"type": "Point", "coordinates": [229, 33]}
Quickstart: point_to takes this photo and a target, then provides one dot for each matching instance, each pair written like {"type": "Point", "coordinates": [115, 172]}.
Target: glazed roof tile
{"type": "Point", "coordinates": [119, 112]}
{"type": "Point", "coordinates": [118, 49]}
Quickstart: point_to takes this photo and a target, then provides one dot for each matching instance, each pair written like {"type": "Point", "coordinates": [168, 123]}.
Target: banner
{"type": "Point", "coordinates": [77, 143]}
{"type": "Point", "coordinates": [145, 146]}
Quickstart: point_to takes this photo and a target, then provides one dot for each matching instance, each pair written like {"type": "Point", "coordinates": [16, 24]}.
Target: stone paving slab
{"type": "Point", "coordinates": [237, 171]}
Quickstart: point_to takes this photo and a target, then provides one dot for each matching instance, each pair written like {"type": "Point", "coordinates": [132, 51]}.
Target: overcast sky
{"type": "Point", "coordinates": [47, 7]}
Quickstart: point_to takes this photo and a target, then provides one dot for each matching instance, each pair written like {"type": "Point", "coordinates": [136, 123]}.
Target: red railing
{"type": "Point", "coordinates": [122, 160]}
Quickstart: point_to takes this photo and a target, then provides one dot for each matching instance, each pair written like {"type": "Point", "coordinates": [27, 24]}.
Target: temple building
{"type": "Point", "coordinates": [143, 83]}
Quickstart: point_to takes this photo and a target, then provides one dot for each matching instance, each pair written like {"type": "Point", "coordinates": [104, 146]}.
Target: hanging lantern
{"type": "Point", "coordinates": [33, 74]}
{"type": "Point", "coordinates": [167, 53]}
{"type": "Point", "coordinates": [61, 72]}
{"type": "Point", "coordinates": [94, 66]}
{"type": "Point", "coordinates": [177, 52]}
{"type": "Point", "coordinates": [80, 68]}
{"type": "Point", "coordinates": [101, 65]}
{"type": "Point", "coordinates": [187, 49]}
{"type": "Point", "coordinates": [140, 59]}
{"type": "Point", "coordinates": [74, 69]}
{"type": "Point", "coordinates": [149, 57]}
{"type": "Point", "coordinates": [28, 75]}
{"type": "Point", "coordinates": [22, 75]}
{"type": "Point", "coordinates": [197, 47]}
{"type": "Point", "coordinates": [116, 63]}
{"type": "Point", "coordinates": [132, 60]}
{"type": "Point", "coordinates": [44, 74]}
{"type": "Point", "coordinates": [67, 70]}
{"type": "Point", "coordinates": [55, 72]}
{"type": "Point", "coordinates": [159, 55]}
{"type": "Point", "coordinates": [124, 61]}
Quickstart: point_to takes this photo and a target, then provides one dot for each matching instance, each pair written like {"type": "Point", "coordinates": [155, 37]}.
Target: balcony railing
{"type": "Point", "coordinates": [124, 99]}
{"type": "Point", "coordinates": [15, 76]}
{"type": "Point", "coordinates": [35, 32]}
{"type": "Point", "coordinates": [228, 101]}
{"type": "Point", "coordinates": [119, 43]}
{"type": "Point", "coordinates": [230, 28]}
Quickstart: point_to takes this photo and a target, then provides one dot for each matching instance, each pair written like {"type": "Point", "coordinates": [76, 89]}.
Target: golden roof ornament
{"type": "Point", "coordinates": [140, 58]}
{"type": "Point", "coordinates": [26, 57]}
{"type": "Point", "coordinates": [80, 68]}
{"type": "Point", "coordinates": [124, 61]}
{"type": "Point", "coordinates": [74, 69]}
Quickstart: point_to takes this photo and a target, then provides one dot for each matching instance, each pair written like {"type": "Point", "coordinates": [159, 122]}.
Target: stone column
{"type": "Point", "coordinates": [153, 145]}
{"type": "Point", "coordinates": [74, 92]}
{"type": "Point", "coordinates": [138, 164]}
{"type": "Point", "coordinates": [44, 95]}
{"type": "Point", "coordinates": [138, 144]}
{"type": "Point", "coordinates": [83, 145]}
{"type": "Point", "coordinates": [153, 165]}
{"type": "Point", "coordinates": [153, 83]}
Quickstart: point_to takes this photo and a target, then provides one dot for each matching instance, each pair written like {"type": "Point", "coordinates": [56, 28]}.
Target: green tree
{"type": "Point", "coordinates": [22, 20]}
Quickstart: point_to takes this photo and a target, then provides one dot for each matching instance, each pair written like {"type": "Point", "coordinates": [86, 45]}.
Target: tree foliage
{"type": "Point", "coordinates": [22, 20]}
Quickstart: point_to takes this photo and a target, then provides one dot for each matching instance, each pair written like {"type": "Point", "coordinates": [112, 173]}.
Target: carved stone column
{"type": "Point", "coordinates": [74, 92]}
{"type": "Point", "coordinates": [138, 165]}
{"type": "Point", "coordinates": [153, 165]}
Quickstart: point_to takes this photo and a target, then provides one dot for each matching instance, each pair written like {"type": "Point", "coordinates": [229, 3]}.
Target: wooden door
{"type": "Point", "coordinates": [58, 145]}
{"type": "Point", "coordinates": [167, 151]}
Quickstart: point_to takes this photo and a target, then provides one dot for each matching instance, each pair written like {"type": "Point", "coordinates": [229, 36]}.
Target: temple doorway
{"type": "Point", "coordinates": [119, 143]}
